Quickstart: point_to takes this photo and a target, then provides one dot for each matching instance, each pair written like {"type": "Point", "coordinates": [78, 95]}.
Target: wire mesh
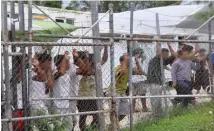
{"type": "Point", "coordinates": [67, 72]}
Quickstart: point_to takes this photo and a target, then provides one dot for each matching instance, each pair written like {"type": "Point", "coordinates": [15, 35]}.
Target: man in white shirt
{"type": "Point", "coordinates": [65, 86]}
{"type": "Point", "coordinates": [41, 83]}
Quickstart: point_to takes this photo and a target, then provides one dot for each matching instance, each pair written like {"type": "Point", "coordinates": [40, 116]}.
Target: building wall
{"type": "Point", "coordinates": [81, 19]}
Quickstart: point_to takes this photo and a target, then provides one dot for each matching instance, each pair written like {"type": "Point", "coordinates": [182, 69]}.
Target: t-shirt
{"type": "Point", "coordinates": [38, 92]}
{"type": "Point", "coordinates": [87, 87]}
{"type": "Point", "coordinates": [182, 70]}
{"type": "Point", "coordinates": [154, 75]}
{"type": "Point", "coordinates": [137, 78]}
{"type": "Point", "coordinates": [120, 81]}
{"type": "Point", "coordinates": [65, 86]}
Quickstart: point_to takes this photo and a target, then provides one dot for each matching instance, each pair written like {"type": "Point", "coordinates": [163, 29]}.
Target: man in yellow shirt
{"type": "Point", "coordinates": [121, 81]}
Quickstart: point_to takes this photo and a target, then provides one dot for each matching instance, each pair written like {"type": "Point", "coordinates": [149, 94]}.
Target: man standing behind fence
{"type": "Point", "coordinates": [139, 80]}
{"type": "Point", "coordinates": [202, 75]}
{"type": "Point", "coordinates": [181, 75]}
{"type": "Point", "coordinates": [41, 82]}
{"type": "Point", "coordinates": [65, 86]}
{"type": "Point", "coordinates": [87, 87]}
{"type": "Point", "coordinates": [154, 76]}
{"type": "Point", "coordinates": [121, 79]}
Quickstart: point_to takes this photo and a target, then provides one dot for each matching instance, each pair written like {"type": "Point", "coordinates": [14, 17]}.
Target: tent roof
{"type": "Point", "coordinates": [192, 22]}
{"type": "Point", "coordinates": [145, 20]}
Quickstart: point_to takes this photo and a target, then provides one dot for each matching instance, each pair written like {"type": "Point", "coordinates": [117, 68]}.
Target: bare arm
{"type": "Point", "coordinates": [171, 49]}
{"type": "Point", "coordinates": [197, 48]}
{"type": "Point", "coordinates": [50, 79]}
{"type": "Point", "coordinates": [105, 55]}
{"type": "Point", "coordinates": [139, 67]}
{"type": "Point", "coordinates": [82, 67]}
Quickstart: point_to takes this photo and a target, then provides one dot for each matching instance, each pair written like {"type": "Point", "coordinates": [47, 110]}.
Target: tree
{"type": "Point", "coordinates": [166, 3]}
{"type": "Point", "coordinates": [205, 15]}
{"type": "Point", "coordinates": [53, 4]}
{"type": "Point", "coordinates": [119, 6]}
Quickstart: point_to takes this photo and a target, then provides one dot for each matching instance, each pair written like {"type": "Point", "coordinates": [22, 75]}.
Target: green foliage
{"type": "Point", "coordinates": [49, 124]}
{"type": "Point", "coordinates": [119, 6]}
{"type": "Point", "coordinates": [92, 128]}
{"type": "Point", "coordinates": [166, 3]}
{"type": "Point", "coordinates": [53, 4]}
{"type": "Point", "coordinates": [195, 118]}
{"type": "Point", "coordinates": [205, 15]}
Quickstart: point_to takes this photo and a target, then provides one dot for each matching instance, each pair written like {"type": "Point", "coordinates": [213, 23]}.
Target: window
{"type": "Point", "coordinates": [59, 20]}
{"type": "Point", "coordinates": [70, 21]}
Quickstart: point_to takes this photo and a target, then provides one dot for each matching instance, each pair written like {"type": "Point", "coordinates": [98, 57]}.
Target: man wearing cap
{"type": "Point", "coordinates": [139, 80]}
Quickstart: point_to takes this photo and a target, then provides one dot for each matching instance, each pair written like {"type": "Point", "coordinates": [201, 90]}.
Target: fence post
{"type": "Point", "coordinates": [131, 65]}
{"type": "Point", "coordinates": [29, 57]}
{"type": "Point", "coordinates": [6, 66]}
{"type": "Point", "coordinates": [98, 70]}
{"type": "Point", "coordinates": [13, 81]}
{"type": "Point", "coordinates": [113, 115]}
{"type": "Point", "coordinates": [23, 63]}
{"type": "Point", "coordinates": [210, 55]}
{"type": "Point", "coordinates": [160, 111]}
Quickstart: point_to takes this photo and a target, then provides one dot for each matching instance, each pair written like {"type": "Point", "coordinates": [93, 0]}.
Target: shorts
{"type": "Point", "coordinates": [139, 88]}
{"type": "Point", "coordinates": [122, 105]}
{"type": "Point", "coordinates": [87, 105]}
{"type": "Point", "coordinates": [201, 79]}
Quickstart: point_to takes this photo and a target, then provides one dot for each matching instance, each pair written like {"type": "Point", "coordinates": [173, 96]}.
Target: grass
{"type": "Point", "coordinates": [195, 118]}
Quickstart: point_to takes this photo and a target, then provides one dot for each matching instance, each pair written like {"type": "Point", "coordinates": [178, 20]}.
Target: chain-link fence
{"type": "Point", "coordinates": [63, 91]}
{"type": "Point", "coordinates": [102, 83]}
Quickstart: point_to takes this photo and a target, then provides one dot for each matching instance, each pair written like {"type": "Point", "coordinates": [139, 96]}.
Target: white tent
{"type": "Point", "coordinates": [192, 22]}
{"type": "Point", "coordinates": [145, 20]}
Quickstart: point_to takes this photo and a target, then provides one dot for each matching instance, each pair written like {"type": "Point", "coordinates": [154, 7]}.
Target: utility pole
{"type": "Point", "coordinates": [131, 65]}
